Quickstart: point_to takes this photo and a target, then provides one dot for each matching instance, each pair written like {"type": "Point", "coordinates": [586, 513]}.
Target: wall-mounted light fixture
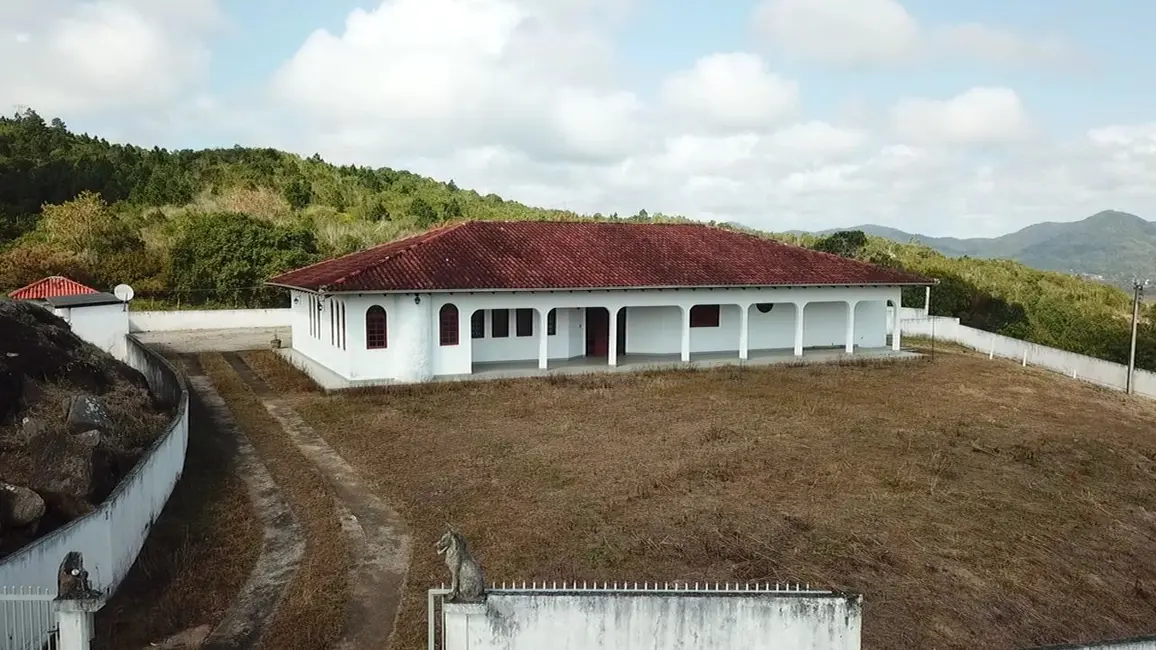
{"type": "Point", "coordinates": [416, 299]}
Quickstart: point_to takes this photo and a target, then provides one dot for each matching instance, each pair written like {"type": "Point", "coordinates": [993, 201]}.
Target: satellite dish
{"type": "Point", "coordinates": [124, 292]}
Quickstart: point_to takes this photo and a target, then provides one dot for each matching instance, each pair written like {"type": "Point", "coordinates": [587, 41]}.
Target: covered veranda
{"type": "Point", "coordinates": [627, 335]}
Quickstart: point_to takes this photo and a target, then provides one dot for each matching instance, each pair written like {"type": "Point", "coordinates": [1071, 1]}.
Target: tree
{"type": "Point", "coordinates": [377, 209]}
{"type": "Point", "coordinates": [87, 225]}
{"type": "Point", "coordinates": [423, 213]}
{"type": "Point", "coordinates": [452, 209]}
{"type": "Point", "coordinates": [228, 256]}
{"type": "Point", "coordinates": [848, 243]}
{"type": "Point", "coordinates": [299, 193]}
{"type": "Point", "coordinates": [26, 264]}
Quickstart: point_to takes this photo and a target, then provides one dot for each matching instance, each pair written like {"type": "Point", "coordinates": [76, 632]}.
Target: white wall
{"type": "Point", "coordinates": [208, 319]}
{"type": "Point", "coordinates": [104, 326]}
{"type": "Point", "coordinates": [653, 325]}
{"type": "Point", "coordinates": [825, 324]}
{"type": "Point", "coordinates": [1077, 366]}
{"type": "Point", "coordinates": [111, 536]}
{"type": "Point", "coordinates": [654, 621]}
{"type": "Point", "coordinates": [908, 313]}
{"type": "Point", "coordinates": [774, 330]}
{"type": "Point", "coordinates": [658, 330]}
{"type": "Point", "coordinates": [871, 313]}
{"type": "Point", "coordinates": [322, 341]}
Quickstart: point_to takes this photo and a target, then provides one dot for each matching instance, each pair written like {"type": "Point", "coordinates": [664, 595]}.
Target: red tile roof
{"type": "Point", "coordinates": [54, 286]}
{"type": "Point", "coordinates": [480, 255]}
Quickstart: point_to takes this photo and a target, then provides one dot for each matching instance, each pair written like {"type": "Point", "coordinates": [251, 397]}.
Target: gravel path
{"type": "Point", "coordinates": [378, 537]}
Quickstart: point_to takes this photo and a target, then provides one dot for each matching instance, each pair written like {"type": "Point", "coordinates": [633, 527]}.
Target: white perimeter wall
{"type": "Point", "coordinates": [207, 319]}
{"type": "Point", "coordinates": [1077, 366]}
{"type": "Point", "coordinates": [111, 536]}
{"type": "Point", "coordinates": [654, 621]}
{"type": "Point", "coordinates": [654, 325]}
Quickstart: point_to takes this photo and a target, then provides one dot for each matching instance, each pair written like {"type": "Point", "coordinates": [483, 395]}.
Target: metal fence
{"type": "Point", "coordinates": [27, 621]}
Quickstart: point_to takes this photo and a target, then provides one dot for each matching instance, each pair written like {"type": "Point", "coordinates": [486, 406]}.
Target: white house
{"type": "Point", "coordinates": [95, 316]}
{"type": "Point", "coordinates": [537, 295]}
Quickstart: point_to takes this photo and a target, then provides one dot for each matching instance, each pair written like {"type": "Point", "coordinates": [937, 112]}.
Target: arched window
{"type": "Point", "coordinates": [448, 325]}
{"type": "Point", "coordinates": [375, 328]}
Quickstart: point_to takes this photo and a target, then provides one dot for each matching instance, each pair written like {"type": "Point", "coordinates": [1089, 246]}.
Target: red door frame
{"type": "Point", "coordinates": [597, 332]}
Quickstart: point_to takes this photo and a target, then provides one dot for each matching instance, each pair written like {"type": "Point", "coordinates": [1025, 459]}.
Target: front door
{"type": "Point", "coordinates": [597, 332]}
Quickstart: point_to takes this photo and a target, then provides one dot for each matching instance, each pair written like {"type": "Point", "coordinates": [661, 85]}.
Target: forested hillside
{"type": "Point", "coordinates": [201, 227]}
{"type": "Point", "coordinates": [1110, 245]}
{"type": "Point", "coordinates": [206, 228]}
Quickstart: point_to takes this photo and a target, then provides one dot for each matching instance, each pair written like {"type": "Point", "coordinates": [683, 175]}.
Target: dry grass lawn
{"type": "Point", "coordinates": [974, 503]}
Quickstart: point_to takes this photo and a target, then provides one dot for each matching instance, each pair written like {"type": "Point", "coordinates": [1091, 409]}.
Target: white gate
{"type": "Point", "coordinates": [27, 621]}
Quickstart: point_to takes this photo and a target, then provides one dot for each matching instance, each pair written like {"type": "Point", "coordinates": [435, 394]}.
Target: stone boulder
{"type": "Point", "coordinates": [70, 471]}
{"type": "Point", "coordinates": [19, 506]}
{"type": "Point", "coordinates": [87, 412]}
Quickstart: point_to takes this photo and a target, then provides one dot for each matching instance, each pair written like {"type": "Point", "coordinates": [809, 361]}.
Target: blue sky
{"type": "Point", "coordinates": [660, 37]}
{"type": "Point", "coordinates": [947, 118]}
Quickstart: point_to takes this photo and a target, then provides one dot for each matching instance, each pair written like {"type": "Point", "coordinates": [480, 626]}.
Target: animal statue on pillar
{"type": "Point", "coordinates": [467, 583]}
{"type": "Point", "coordinates": [72, 579]}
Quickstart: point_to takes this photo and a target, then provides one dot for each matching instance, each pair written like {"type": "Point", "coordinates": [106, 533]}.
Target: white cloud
{"type": "Point", "coordinates": [869, 32]}
{"type": "Point", "coordinates": [839, 31]}
{"type": "Point", "coordinates": [432, 76]}
{"type": "Point", "coordinates": [986, 43]}
{"type": "Point", "coordinates": [981, 115]}
{"type": "Point", "coordinates": [86, 57]}
{"type": "Point", "coordinates": [731, 91]}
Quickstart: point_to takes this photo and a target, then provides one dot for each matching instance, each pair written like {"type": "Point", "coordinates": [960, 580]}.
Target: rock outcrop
{"type": "Point", "coordinates": [73, 422]}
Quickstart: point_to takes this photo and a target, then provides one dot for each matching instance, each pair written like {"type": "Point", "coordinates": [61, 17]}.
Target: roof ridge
{"type": "Point", "coordinates": [841, 258]}
{"type": "Point", "coordinates": [422, 238]}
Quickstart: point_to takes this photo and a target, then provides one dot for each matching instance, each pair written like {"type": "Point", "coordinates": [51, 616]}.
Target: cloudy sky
{"type": "Point", "coordinates": [946, 118]}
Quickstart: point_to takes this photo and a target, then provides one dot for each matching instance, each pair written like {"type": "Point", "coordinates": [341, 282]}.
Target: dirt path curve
{"type": "Point", "coordinates": [283, 542]}
{"type": "Point", "coordinates": [378, 537]}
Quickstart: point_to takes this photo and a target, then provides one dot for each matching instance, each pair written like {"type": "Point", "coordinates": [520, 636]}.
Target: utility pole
{"type": "Point", "coordinates": [1137, 291]}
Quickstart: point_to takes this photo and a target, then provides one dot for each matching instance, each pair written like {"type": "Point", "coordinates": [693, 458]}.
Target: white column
{"type": "Point", "coordinates": [800, 307]}
{"type": "Point", "coordinates": [927, 302]}
{"type": "Point", "coordinates": [612, 356]}
{"type": "Point", "coordinates": [413, 337]}
{"type": "Point", "coordinates": [685, 334]}
{"type": "Point", "coordinates": [851, 325]}
{"type": "Point", "coordinates": [543, 341]}
{"type": "Point", "coordinates": [895, 321]}
{"type": "Point", "coordinates": [744, 332]}
{"type": "Point", "coordinates": [74, 622]}
{"type": "Point", "coordinates": [461, 629]}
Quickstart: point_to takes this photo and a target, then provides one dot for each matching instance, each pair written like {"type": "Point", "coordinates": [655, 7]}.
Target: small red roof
{"type": "Point", "coordinates": [54, 286]}
{"type": "Point", "coordinates": [488, 255]}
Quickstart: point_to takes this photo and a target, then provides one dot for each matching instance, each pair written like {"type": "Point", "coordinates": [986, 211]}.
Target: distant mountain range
{"type": "Point", "coordinates": [1109, 246]}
